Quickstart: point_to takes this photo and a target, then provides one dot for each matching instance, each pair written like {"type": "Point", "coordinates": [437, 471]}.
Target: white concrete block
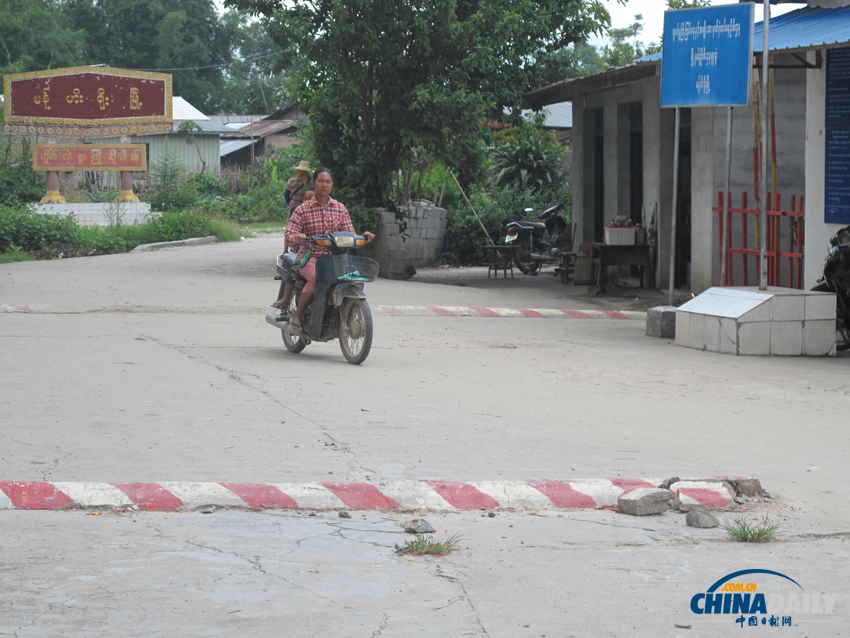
{"type": "Point", "coordinates": [754, 338]}
{"type": "Point", "coordinates": [788, 307]}
{"type": "Point", "coordinates": [683, 335]}
{"type": "Point", "coordinates": [820, 305]}
{"type": "Point", "coordinates": [819, 338]}
{"type": "Point", "coordinates": [696, 337]}
{"type": "Point", "coordinates": [712, 334]}
{"type": "Point", "coordinates": [724, 302]}
{"type": "Point", "coordinates": [728, 336]}
{"type": "Point", "coordinates": [760, 312]}
{"type": "Point", "coordinates": [786, 338]}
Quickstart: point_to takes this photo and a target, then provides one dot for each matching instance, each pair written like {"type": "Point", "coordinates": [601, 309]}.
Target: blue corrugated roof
{"type": "Point", "coordinates": [807, 28]}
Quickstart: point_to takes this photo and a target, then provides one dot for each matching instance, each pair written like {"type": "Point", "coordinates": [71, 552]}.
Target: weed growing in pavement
{"type": "Point", "coordinates": [422, 545]}
{"type": "Point", "coordinates": [745, 532]}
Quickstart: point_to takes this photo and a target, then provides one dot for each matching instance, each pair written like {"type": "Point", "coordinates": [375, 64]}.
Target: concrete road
{"type": "Point", "coordinates": [159, 367]}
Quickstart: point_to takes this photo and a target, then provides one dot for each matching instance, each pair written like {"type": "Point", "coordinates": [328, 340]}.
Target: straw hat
{"type": "Point", "coordinates": [302, 166]}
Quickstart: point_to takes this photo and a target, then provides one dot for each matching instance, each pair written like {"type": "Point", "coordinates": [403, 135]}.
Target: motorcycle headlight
{"type": "Point", "coordinates": [345, 241]}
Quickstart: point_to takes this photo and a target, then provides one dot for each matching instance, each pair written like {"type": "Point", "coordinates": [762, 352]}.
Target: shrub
{"type": "Point", "coordinates": [496, 209]}
{"type": "Point", "coordinates": [527, 156]}
{"type": "Point", "coordinates": [264, 203]}
{"type": "Point", "coordinates": [31, 231]}
{"type": "Point", "coordinates": [171, 190]}
{"type": "Point", "coordinates": [19, 184]}
{"type": "Point", "coordinates": [207, 184]}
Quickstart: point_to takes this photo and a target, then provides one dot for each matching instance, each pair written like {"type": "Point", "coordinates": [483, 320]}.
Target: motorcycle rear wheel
{"type": "Point", "coordinates": [522, 259]}
{"type": "Point", "coordinates": [355, 330]}
{"type": "Point", "coordinates": [293, 344]}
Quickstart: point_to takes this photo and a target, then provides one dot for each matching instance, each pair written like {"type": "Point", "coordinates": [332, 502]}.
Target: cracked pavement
{"type": "Point", "coordinates": [160, 367]}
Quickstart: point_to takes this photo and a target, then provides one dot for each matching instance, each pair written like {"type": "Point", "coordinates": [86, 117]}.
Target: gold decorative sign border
{"type": "Point", "coordinates": [90, 132]}
{"type": "Point", "coordinates": [99, 70]}
{"type": "Point", "coordinates": [102, 147]}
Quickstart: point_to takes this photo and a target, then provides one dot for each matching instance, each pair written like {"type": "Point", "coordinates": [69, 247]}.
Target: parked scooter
{"type": "Point", "coordinates": [836, 278]}
{"type": "Point", "coordinates": [536, 243]}
{"type": "Point", "coordinates": [339, 309]}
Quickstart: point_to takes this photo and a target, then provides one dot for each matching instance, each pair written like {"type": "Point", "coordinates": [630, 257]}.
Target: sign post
{"type": "Point", "coordinates": [707, 61]}
{"type": "Point", "coordinates": [87, 102]}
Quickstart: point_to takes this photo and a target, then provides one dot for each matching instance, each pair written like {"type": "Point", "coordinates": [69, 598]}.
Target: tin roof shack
{"type": "Point", "coordinates": [623, 151]}
{"type": "Point", "coordinates": [236, 144]}
{"type": "Point", "coordinates": [202, 151]}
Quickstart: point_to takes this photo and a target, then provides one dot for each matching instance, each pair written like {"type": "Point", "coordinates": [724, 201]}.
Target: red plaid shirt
{"type": "Point", "coordinates": [312, 219]}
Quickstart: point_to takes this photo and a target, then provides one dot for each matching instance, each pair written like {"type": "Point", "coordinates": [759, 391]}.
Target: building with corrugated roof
{"type": "Point", "coordinates": [622, 145]}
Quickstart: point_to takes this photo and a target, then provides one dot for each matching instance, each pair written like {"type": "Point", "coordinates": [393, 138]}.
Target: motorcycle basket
{"type": "Point", "coordinates": [354, 268]}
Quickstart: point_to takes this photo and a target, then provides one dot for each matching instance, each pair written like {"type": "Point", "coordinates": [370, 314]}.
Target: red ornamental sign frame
{"type": "Point", "coordinates": [88, 157]}
{"type": "Point", "coordinates": [87, 96]}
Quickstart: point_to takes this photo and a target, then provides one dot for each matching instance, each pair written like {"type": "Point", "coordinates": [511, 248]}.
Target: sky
{"type": "Point", "coordinates": [653, 16]}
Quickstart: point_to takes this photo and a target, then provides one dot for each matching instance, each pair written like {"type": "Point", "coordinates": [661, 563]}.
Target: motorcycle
{"type": "Point", "coordinates": [536, 243]}
{"type": "Point", "coordinates": [339, 309]}
{"type": "Point", "coordinates": [836, 278]}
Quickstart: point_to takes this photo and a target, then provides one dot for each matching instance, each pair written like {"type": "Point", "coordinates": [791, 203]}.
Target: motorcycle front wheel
{"type": "Point", "coordinates": [293, 344]}
{"type": "Point", "coordinates": [355, 330]}
{"type": "Point", "coordinates": [523, 260]}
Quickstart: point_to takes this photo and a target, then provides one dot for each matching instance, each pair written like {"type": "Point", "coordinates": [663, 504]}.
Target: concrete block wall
{"type": "Point", "coordinates": [100, 214]}
{"type": "Point", "coordinates": [423, 246]}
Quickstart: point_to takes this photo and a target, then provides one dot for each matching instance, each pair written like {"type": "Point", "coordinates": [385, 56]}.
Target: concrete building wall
{"type": "Point", "coordinates": [799, 123]}
{"type": "Point", "coordinates": [703, 197]}
{"type": "Point", "coordinates": [658, 131]}
{"type": "Point", "coordinates": [818, 231]}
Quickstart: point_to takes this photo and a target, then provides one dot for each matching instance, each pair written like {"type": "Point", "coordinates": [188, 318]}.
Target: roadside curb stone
{"type": "Point", "coordinates": [645, 501]}
{"type": "Point", "coordinates": [194, 241]}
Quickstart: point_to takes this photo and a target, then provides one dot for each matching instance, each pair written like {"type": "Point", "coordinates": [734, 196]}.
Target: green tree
{"type": "Point", "coordinates": [184, 38]}
{"type": "Point", "coordinates": [36, 35]}
{"type": "Point", "coordinates": [622, 52]}
{"type": "Point", "coordinates": [380, 78]}
{"type": "Point", "coordinates": [252, 84]}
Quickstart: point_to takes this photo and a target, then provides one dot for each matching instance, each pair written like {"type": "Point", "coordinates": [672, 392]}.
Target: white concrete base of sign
{"type": "Point", "coordinates": [747, 321]}
{"type": "Point", "coordinates": [108, 214]}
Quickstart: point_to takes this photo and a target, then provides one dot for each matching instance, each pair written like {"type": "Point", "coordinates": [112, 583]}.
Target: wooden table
{"type": "Point", "coordinates": [500, 258]}
{"type": "Point", "coordinates": [621, 255]}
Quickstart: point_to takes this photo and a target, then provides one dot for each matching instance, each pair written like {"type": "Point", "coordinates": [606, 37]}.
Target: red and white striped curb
{"type": "Point", "coordinates": [419, 495]}
{"type": "Point", "coordinates": [531, 313]}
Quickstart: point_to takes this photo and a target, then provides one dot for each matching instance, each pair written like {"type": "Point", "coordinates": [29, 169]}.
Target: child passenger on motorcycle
{"type": "Point", "coordinates": [282, 304]}
{"type": "Point", "coordinates": [319, 216]}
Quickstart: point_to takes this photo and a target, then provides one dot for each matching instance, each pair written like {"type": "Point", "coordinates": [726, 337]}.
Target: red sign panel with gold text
{"type": "Point", "coordinates": [88, 157]}
{"type": "Point", "coordinates": [87, 95]}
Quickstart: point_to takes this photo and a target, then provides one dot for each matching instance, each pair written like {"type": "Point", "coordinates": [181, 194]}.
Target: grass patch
{"type": "Point", "coordinates": [422, 545]}
{"type": "Point", "coordinates": [13, 255]}
{"type": "Point", "coordinates": [743, 531]}
{"type": "Point", "coordinates": [276, 226]}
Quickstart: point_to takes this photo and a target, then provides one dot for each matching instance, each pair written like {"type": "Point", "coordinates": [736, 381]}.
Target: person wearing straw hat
{"type": "Point", "coordinates": [298, 185]}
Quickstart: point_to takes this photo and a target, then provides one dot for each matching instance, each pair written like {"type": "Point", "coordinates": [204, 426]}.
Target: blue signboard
{"type": "Point", "coordinates": [837, 161]}
{"type": "Point", "coordinates": [707, 56]}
